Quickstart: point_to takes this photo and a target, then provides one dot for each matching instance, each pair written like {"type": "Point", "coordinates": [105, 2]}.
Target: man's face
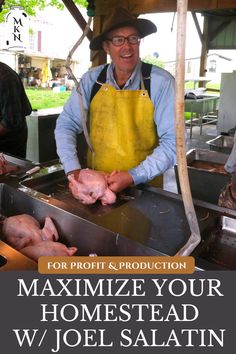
{"type": "Point", "coordinates": [126, 56]}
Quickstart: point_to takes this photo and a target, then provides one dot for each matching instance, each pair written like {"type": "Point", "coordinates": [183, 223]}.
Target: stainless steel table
{"type": "Point", "coordinates": [205, 110]}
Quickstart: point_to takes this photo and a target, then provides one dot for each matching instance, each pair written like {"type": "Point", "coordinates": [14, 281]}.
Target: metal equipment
{"type": "Point", "coordinates": [73, 230]}
{"type": "Point", "coordinates": [142, 222]}
{"type": "Point", "coordinates": [222, 143]}
{"type": "Point", "coordinates": [208, 177]}
{"type": "Point", "coordinates": [204, 109]}
{"type": "Point", "coordinates": [22, 167]}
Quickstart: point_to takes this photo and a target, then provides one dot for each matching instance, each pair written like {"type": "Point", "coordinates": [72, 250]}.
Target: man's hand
{"type": "Point", "coordinates": [119, 180]}
{"type": "Point", "coordinates": [75, 173]}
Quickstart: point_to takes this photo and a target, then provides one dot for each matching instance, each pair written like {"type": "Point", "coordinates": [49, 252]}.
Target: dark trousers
{"type": "Point", "coordinates": [15, 142]}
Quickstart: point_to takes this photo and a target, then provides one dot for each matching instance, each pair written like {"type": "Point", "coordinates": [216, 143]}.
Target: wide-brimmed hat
{"type": "Point", "coordinates": [119, 18]}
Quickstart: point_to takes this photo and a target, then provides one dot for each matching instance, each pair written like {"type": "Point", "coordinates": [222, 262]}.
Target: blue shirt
{"type": "Point", "coordinates": [162, 95]}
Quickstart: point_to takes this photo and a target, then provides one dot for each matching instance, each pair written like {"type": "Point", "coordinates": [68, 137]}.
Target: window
{"type": "Point", "coordinates": [32, 41]}
{"type": "Point", "coordinates": [212, 66]}
{"type": "Point", "coordinates": [189, 67]}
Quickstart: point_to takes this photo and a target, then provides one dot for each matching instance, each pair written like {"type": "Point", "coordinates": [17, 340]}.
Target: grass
{"type": "Point", "coordinates": [45, 98]}
{"type": "Point", "coordinates": [209, 85]}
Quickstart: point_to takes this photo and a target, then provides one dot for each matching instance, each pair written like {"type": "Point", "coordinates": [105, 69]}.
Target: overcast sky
{"type": "Point", "coordinates": [164, 40]}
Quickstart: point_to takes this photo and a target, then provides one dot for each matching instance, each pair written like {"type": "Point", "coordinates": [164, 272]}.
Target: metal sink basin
{"type": "Point", "coordinates": [73, 230]}
{"type": "Point", "coordinates": [151, 222]}
{"type": "Point", "coordinates": [222, 143]}
{"type": "Point", "coordinates": [220, 245]}
{"type": "Point", "coordinates": [207, 176]}
{"type": "Point", "coordinates": [55, 185]}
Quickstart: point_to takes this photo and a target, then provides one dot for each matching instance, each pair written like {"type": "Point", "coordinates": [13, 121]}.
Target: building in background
{"type": "Point", "coordinates": [52, 34]}
{"type": "Point", "coordinates": [216, 65]}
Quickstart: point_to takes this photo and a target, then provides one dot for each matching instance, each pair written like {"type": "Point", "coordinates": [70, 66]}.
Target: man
{"type": "Point", "coordinates": [230, 165]}
{"type": "Point", "coordinates": [14, 107]}
{"type": "Point", "coordinates": [131, 129]}
{"type": "Point", "coordinates": [227, 197]}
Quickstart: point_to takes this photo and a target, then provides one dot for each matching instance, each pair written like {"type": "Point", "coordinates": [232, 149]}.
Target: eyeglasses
{"type": "Point", "coordinates": [118, 41]}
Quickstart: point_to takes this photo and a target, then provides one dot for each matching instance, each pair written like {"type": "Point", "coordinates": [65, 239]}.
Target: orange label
{"type": "Point", "coordinates": [116, 265]}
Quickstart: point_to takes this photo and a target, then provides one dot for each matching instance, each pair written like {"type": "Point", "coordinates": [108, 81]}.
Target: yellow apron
{"type": "Point", "coordinates": [122, 129]}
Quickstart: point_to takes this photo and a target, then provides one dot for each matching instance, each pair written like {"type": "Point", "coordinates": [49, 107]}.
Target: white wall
{"type": "Point", "coordinates": [8, 58]}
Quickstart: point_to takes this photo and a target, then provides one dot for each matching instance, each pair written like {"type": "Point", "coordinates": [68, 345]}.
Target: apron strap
{"type": "Point", "coordinates": [146, 70]}
{"type": "Point", "coordinates": [142, 86]}
{"type": "Point", "coordinates": [99, 82]}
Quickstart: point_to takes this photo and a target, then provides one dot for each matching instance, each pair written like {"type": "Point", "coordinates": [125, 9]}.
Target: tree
{"type": "Point", "coordinates": [31, 6]}
{"type": "Point", "coordinates": [151, 59]}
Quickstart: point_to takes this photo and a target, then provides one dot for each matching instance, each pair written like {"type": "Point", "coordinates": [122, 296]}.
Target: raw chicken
{"type": "Point", "coordinates": [5, 167]}
{"type": "Point", "coordinates": [108, 197]}
{"type": "Point", "coordinates": [90, 187]}
{"type": "Point", "coordinates": [23, 230]}
{"type": "Point", "coordinates": [48, 248]}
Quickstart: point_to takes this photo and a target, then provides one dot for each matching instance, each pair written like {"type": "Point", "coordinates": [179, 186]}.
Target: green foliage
{"type": "Point", "coordinates": [31, 31]}
{"type": "Point", "coordinates": [45, 98]}
{"type": "Point", "coordinates": [150, 59]}
{"type": "Point", "coordinates": [31, 6]}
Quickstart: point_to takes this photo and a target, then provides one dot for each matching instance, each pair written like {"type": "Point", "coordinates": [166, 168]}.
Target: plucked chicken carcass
{"type": "Point", "coordinates": [90, 187]}
{"type": "Point", "coordinates": [5, 167]}
{"type": "Point", "coordinates": [23, 230]}
{"type": "Point", "coordinates": [48, 248]}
